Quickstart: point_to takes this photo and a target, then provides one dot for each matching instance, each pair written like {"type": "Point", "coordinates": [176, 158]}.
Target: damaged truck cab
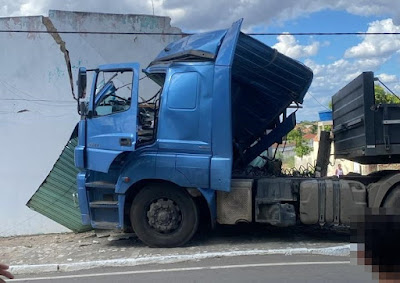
{"type": "Point", "coordinates": [163, 165]}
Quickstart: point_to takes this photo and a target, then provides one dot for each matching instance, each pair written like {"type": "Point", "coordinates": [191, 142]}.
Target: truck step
{"type": "Point", "coordinates": [100, 185]}
{"type": "Point", "coordinates": [103, 204]}
{"type": "Point", "coordinates": [104, 225]}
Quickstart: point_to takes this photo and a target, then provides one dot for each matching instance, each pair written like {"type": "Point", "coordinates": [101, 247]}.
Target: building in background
{"type": "Point", "coordinates": [37, 110]}
{"type": "Point", "coordinates": [325, 124]}
{"type": "Point", "coordinates": [347, 165]}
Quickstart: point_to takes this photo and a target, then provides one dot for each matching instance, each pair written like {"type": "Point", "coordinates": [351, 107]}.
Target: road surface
{"type": "Point", "coordinates": [271, 268]}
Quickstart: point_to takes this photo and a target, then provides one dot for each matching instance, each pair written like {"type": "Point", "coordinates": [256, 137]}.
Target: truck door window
{"type": "Point", "coordinates": [113, 92]}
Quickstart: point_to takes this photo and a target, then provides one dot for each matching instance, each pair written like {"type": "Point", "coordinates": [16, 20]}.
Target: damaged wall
{"type": "Point", "coordinates": [37, 111]}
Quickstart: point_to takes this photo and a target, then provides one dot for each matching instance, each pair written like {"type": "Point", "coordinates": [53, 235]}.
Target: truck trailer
{"type": "Point", "coordinates": [164, 165]}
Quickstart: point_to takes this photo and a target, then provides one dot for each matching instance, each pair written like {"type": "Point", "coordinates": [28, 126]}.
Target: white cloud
{"type": "Point", "coordinates": [196, 15]}
{"type": "Point", "coordinates": [377, 45]}
{"type": "Point", "coordinates": [386, 78]}
{"type": "Point", "coordinates": [32, 7]}
{"type": "Point", "coordinates": [11, 8]}
{"type": "Point", "coordinates": [288, 45]}
{"type": "Point", "coordinates": [391, 81]}
{"type": "Point", "coordinates": [396, 89]}
{"type": "Point", "coordinates": [369, 55]}
{"type": "Point", "coordinates": [329, 78]}
{"type": "Point", "coordinates": [372, 7]}
{"type": "Point", "coordinates": [207, 14]}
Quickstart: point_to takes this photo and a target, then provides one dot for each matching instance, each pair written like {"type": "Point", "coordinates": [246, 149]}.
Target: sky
{"type": "Point", "coordinates": [335, 60]}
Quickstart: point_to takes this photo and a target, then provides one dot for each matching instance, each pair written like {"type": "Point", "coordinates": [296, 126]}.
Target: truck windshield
{"type": "Point", "coordinates": [113, 92]}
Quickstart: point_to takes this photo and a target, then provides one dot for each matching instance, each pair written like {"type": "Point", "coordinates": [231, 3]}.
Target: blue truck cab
{"type": "Point", "coordinates": [162, 165]}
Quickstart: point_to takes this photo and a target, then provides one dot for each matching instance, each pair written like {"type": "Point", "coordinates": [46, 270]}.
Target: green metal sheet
{"type": "Point", "coordinates": [56, 198]}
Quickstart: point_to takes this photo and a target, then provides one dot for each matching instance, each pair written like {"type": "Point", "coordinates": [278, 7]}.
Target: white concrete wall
{"type": "Point", "coordinates": [32, 68]}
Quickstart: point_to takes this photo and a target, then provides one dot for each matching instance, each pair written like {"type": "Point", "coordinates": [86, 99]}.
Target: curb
{"type": "Point", "coordinates": [343, 250]}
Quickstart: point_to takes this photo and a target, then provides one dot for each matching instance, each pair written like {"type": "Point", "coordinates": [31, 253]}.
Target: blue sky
{"type": "Point", "coordinates": [335, 60]}
{"type": "Point", "coordinates": [331, 49]}
{"type": "Point", "coordinates": [323, 21]}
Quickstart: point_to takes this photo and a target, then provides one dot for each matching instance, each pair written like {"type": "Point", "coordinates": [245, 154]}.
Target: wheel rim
{"type": "Point", "coordinates": [164, 216]}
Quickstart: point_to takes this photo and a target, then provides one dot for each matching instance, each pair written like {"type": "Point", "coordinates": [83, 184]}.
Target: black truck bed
{"type": "Point", "coordinates": [363, 131]}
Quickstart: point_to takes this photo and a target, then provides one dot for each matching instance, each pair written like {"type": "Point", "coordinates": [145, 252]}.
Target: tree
{"type": "Point", "coordinates": [328, 128]}
{"type": "Point", "coordinates": [381, 96]}
{"type": "Point", "coordinates": [330, 105]}
{"type": "Point", "coordinates": [314, 129]}
{"type": "Point", "coordinates": [296, 136]}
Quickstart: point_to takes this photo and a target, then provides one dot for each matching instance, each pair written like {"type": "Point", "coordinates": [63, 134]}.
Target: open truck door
{"type": "Point", "coordinates": [112, 115]}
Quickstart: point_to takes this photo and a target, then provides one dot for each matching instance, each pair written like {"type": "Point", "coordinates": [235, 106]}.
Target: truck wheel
{"type": "Point", "coordinates": [164, 216]}
{"type": "Point", "coordinates": [392, 200]}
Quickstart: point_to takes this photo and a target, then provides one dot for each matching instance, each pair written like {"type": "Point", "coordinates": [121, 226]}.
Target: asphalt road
{"type": "Point", "coordinates": [272, 268]}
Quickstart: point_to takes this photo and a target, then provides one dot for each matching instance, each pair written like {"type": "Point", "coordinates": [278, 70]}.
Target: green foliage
{"type": "Point", "coordinates": [302, 149]}
{"type": "Point", "coordinates": [289, 162]}
{"type": "Point", "coordinates": [330, 106]}
{"type": "Point", "coordinates": [296, 136]}
{"type": "Point", "coordinates": [314, 129]}
{"type": "Point", "coordinates": [279, 155]}
{"type": "Point", "coordinates": [381, 96]}
{"type": "Point", "coordinates": [305, 123]}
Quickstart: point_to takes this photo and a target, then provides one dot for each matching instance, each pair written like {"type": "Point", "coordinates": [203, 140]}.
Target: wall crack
{"type": "Point", "coordinates": [57, 38]}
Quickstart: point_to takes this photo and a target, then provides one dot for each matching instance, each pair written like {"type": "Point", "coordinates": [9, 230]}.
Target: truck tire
{"type": "Point", "coordinates": [392, 200]}
{"type": "Point", "coordinates": [164, 216]}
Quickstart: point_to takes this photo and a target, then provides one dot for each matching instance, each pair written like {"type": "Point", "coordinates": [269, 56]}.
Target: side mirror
{"type": "Point", "coordinates": [81, 82]}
